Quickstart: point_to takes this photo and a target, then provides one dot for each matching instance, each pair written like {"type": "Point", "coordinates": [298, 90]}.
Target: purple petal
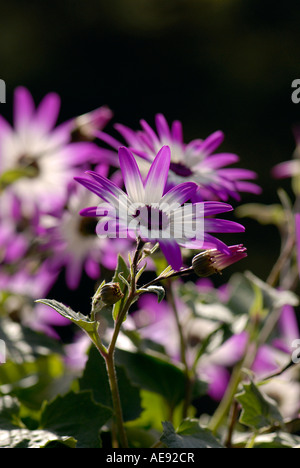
{"type": "Point", "coordinates": [286, 169]}
{"type": "Point", "coordinates": [150, 132]}
{"type": "Point", "coordinates": [212, 142]}
{"type": "Point", "coordinates": [212, 208]}
{"type": "Point", "coordinates": [157, 176]}
{"type": "Point", "coordinates": [218, 378]}
{"type": "Point", "coordinates": [108, 139]}
{"type": "Point", "coordinates": [73, 273]}
{"type": "Point", "coordinates": [222, 225]}
{"type": "Point", "coordinates": [172, 252]}
{"type": "Point", "coordinates": [107, 184]}
{"type": "Point", "coordinates": [128, 134]}
{"type": "Point", "coordinates": [265, 361]}
{"type": "Point", "coordinates": [93, 187]}
{"type": "Point", "coordinates": [243, 186]}
{"type": "Point", "coordinates": [131, 175]}
{"type": "Point", "coordinates": [218, 160]}
{"type": "Point", "coordinates": [47, 112]}
{"type": "Point", "coordinates": [288, 324]}
{"type": "Point", "coordinates": [16, 249]}
{"type": "Point", "coordinates": [90, 211]}
{"type": "Point", "coordinates": [105, 189]}
{"type": "Point", "coordinates": [177, 132]}
{"type": "Point", "coordinates": [180, 193]}
{"type": "Point", "coordinates": [163, 128]}
{"type": "Point", "coordinates": [5, 128]}
{"type": "Point", "coordinates": [237, 173]}
{"type": "Point", "coordinates": [23, 107]}
{"type": "Point", "coordinates": [211, 242]}
{"type": "Point", "coordinates": [231, 351]}
{"type": "Point", "coordinates": [92, 268]}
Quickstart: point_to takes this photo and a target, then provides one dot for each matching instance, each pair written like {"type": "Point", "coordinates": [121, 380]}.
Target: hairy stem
{"type": "Point", "coordinates": [109, 356]}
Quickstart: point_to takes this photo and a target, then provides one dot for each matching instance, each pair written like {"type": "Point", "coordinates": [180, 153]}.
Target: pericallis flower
{"type": "Point", "coordinates": [73, 242]}
{"type": "Point", "coordinates": [149, 212]}
{"type": "Point", "coordinates": [194, 161]}
{"type": "Point", "coordinates": [42, 155]}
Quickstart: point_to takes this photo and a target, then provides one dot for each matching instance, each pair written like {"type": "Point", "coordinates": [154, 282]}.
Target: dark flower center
{"type": "Point", "coordinates": [87, 226]}
{"type": "Point", "coordinates": [29, 163]}
{"type": "Point", "coordinates": [180, 169]}
{"type": "Point", "coordinates": [152, 218]}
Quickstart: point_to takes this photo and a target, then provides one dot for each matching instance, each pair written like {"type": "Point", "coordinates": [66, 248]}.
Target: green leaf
{"type": "Point", "coordinates": [12, 175]}
{"type": "Point", "coordinates": [278, 439]}
{"type": "Point", "coordinates": [158, 290]}
{"type": "Point", "coordinates": [258, 410]}
{"type": "Point", "coordinates": [9, 412]}
{"type": "Point", "coordinates": [123, 270]}
{"type": "Point", "coordinates": [14, 434]}
{"type": "Point", "coordinates": [76, 317]}
{"type": "Point", "coordinates": [189, 435]}
{"type": "Point", "coordinates": [23, 344]}
{"type": "Point", "coordinates": [35, 381]}
{"type": "Point", "coordinates": [76, 415]}
{"type": "Point", "coordinates": [95, 378]}
{"type": "Point", "coordinates": [155, 374]}
{"type": "Point", "coordinates": [24, 438]}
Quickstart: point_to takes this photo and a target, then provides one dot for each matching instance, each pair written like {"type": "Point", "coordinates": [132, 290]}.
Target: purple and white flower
{"type": "Point", "coordinates": [148, 211]}
{"type": "Point", "coordinates": [43, 153]}
{"type": "Point", "coordinates": [195, 161]}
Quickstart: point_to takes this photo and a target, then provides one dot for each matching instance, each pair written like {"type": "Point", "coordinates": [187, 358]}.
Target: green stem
{"type": "Point", "coordinates": [224, 407]}
{"type": "Point", "coordinates": [109, 355]}
{"type": "Point", "coordinates": [251, 441]}
{"type": "Point", "coordinates": [112, 377]}
{"type": "Point", "coordinates": [183, 347]}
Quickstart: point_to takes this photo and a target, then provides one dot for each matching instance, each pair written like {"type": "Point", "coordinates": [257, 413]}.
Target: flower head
{"type": "Point", "coordinates": [41, 153]}
{"type": "Point", "coordinates": [149, 212]}
{"type": "Point", "coordinates": [194, 161]}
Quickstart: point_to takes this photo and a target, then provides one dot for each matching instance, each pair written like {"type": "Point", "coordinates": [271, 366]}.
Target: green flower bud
{"type": "Point", "coordinates": [203, 265]}
{"type": "Point", "coordinates": [110, 293]}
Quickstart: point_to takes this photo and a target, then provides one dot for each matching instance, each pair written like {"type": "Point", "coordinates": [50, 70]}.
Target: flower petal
{"type": "Point", "coordinates": [163, 128]}
{"type": "Point", "coordinates": [131, 175]}
{"type": "Point", "coordinates": [47, 112]}
{"type": "Point", "coordinates": [157, 176]}
{"type": "Point", "coordinates": [180, 193]}
{"type": "Point", "coordinates": [222, 225]}
{"type": "Point", "coordinates": [23, 107]}
{"type": "Point", "coordinates": [172, 252]}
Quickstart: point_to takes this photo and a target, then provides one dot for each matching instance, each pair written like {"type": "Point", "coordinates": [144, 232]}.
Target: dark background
{"type": "Point", "coordinates": [214, 64]}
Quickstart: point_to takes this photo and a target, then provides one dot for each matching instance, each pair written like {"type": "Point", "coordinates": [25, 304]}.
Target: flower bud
{"type": "Point", "coordinates": [85, 126]}
{"type": "Point", "coordinates": [203, 265]}
{"type": "Point", "coordinates": [213, 261]}
{"type": "Point", "coordinates": [110, 293]}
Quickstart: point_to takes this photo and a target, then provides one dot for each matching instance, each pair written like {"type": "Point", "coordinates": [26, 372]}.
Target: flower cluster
{"type": "Point", "coordinates": [173, 192]}
{"type": "Point", "coordinates": [144, 219]}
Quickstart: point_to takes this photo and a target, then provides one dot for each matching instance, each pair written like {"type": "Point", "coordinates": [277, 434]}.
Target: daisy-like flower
{"type": "Point", "coordinates": [194, 161]}
{"type": "Point", "coordinates": [147, 211]}
{"type": "Point", "coordinates": [74, 244]}
{"type": "Point", "coordinates": [41, 153]}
